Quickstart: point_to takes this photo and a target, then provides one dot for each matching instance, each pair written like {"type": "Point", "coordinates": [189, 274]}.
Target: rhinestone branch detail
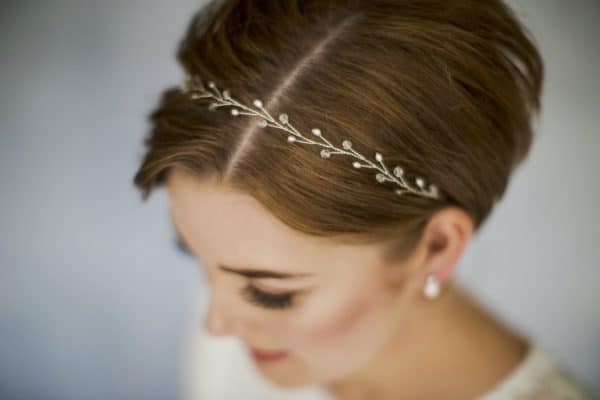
{"type": "Point", "coordinates": [197, 90]}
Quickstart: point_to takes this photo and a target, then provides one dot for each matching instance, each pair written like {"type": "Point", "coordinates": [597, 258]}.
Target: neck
{"type": "Point", "coordinates": [448, 348]}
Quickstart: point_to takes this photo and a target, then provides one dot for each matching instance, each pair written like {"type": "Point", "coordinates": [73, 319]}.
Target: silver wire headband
{"type": "Point", "coordinates": [197, 90]}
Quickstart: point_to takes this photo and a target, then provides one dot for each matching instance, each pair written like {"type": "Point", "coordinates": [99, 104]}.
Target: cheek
{"type": "Point", "coordinates": [342, 322]}
{"type": "Point", "coordinates": [345, 322]}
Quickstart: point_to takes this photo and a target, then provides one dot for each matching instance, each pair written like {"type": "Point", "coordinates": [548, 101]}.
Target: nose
{"type": "Point", "coordinates": [215, 324]}
{"type": "Point", "coordinates": [218, 319]}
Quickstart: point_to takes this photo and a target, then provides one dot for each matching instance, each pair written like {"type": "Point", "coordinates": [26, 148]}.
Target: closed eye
{"type": "Point", "coordinates": [268, 300]}
{"type": "Point", "coordinates": [256, 296]}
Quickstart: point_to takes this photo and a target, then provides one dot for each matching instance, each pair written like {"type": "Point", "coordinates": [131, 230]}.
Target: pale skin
{"type": "Point", "coordinates": [359, 329]}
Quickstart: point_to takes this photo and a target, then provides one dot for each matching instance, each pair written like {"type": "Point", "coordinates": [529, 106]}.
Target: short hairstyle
{"type": "Point", "coordinates": [445, 88]}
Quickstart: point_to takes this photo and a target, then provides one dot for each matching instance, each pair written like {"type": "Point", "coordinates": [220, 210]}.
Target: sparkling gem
{"type": "Point", "coordinates": [380, 177]}
{"type": "Point", "coordinates": [378, 157]}
{"type": "Point", "coordinates": [316, 131]}
{"type": "Point", "coordinates": [398, 171]}
{"type": "Point", "coordinates": [420, 182]}
{"type": "Point", "coordinates": [325, 153]}
{"type": "Point", "coordinates": [235, 111]}
{"type": "Point", "coordinates": [356, 164]}
{"type": "Point", "coordinates": [346, 144]}
{"type": "Point", "coordinates": [258, 103]}
{"type": "Point", "coordinates": [263, 123]}
{"type": "Point", "coordinates": [211, 84]}
{"type": "Point", "coordinates": [291, 139]}
{"type": "Point", "coordinates": [283, 118]}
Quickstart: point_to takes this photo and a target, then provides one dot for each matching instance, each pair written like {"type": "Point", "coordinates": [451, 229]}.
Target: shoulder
{"type": "Point", "coordinates": [539, 376]}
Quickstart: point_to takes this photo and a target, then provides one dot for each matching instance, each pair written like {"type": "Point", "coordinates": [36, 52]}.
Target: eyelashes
{"type": "Point", "coordinates": [256, 296]}
{"type": "Point", "coordinates": [268, 300]}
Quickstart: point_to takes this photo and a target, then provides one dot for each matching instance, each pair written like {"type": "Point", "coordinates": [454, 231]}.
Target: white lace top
{"type": "Point", "coordinates": [220, 369]}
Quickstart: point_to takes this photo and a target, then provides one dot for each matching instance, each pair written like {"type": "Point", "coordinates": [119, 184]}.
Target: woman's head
{"type": "Point", "coordinates": [446, 89]}
{"type": "Point", "coordinates": [329, 305]}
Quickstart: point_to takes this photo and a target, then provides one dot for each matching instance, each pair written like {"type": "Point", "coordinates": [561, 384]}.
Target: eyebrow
{"type": "Point", "coordinates": [247, 272]}
{"type": "Point", "coordinates": [262, 273]}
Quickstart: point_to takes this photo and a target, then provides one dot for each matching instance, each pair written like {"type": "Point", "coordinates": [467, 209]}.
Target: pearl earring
{"type": "Point", "coordinates": [432, 287]}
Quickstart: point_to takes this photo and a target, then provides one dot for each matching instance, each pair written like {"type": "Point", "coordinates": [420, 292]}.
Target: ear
{"type": "Point", "coordinates": [437, 252]}
{"type": "Point", "coordinates": [443, 243]}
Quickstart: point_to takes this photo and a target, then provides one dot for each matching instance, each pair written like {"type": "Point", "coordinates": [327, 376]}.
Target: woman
{"type": "Point", "coordinates": [327, 163]}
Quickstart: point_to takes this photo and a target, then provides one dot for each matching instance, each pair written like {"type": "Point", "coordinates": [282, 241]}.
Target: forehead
{"type": "Point", "coordinates": [231, 227]}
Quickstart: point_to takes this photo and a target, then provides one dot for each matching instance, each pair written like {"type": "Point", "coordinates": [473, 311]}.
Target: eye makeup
{"type": "Point", "coordinates": [278, 301]}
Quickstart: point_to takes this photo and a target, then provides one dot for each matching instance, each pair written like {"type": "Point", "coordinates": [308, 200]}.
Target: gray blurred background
{"type": "Point", "coordinates": [95, 301]}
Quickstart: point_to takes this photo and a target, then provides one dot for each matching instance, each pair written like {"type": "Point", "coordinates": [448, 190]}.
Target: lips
{"type": "Point", "coordinates": [261, 355]}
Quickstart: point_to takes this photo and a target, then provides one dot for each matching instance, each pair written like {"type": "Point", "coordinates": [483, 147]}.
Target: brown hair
{"type": "Point", "coordinates": [444, 88]}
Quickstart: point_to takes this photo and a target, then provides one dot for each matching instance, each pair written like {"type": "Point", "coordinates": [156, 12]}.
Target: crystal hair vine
{"type": "Point", "coordinates": [196, 89]}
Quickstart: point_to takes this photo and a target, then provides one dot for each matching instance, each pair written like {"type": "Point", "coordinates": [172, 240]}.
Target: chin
{"type": "Point", "coordinates": [290, 381]}
{"type": "Point", "coordinates": [285, 375]}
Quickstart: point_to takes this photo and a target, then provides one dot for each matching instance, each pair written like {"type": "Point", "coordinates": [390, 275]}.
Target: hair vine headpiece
{"type": "Point", "coordinates": [197, 89]}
